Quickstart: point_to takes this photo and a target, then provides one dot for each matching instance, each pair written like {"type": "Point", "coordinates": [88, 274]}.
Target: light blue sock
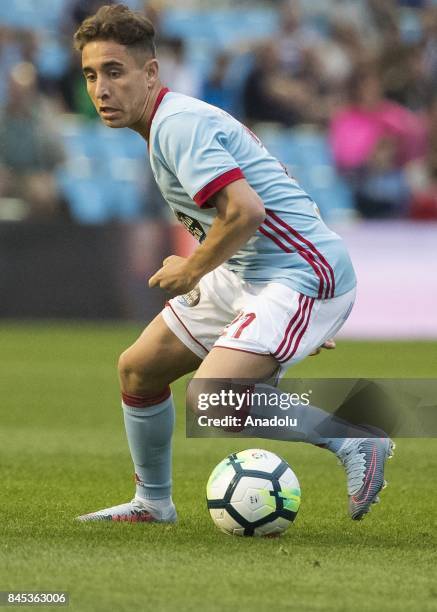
{"type": "Point", "coordinates": [149, 433]}
{"type": "Point", "coordinates": [314, 425]}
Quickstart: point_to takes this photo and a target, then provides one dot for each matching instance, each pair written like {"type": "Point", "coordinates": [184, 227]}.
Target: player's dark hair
{"type": "Point", "coordinates": [120, 24]}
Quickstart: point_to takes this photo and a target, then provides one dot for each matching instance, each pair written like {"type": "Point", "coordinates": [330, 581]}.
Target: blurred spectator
{"type": "Point", "coordinates": [81, 9]}
{"type": "Point", "coordinates": [15, 47]}
{"type": "Point", "coordinates": [153, 10]}
{"type": "Point", "coordinates": [422, 173]}
{"type": "Point", "coordinates": [402, 70]}
{"type": "Point", "coordinates": [429, 24]}
{"type": "Point", "coordinates": [216, 90]}
{"type": "Point", "coordinates": [287, 84]}
{"type": "Point", "coordinates": [294, 41]}
{"type": "Point", "coordinates": [9, 55]}
{"type": "Point", "coordinates": [271, 94]}
{"type": "Point", "coordinates": [176, 72]}
{"type": "Point", "coordinates": [30, 152]}
{"type": "Point", "coordinates": [71, 88]}
{"type": "Point", "coordinates": [372, 139]}
{"type": "Point", "coordinates": [385, 17]}
{"type": "Point", "coordinates": [407, 82]}
{"type": "Point", "coordinates": [338, 54]}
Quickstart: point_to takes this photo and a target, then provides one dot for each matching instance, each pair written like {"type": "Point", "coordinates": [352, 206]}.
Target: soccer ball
{"type": "Point", "coordinates": [253, 493]}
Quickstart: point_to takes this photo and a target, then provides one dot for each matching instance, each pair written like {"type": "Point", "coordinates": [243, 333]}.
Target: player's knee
{"type": "Point", "coordinates": [133, 376]}
{"type": "Point", "coordinates": [194, 393]}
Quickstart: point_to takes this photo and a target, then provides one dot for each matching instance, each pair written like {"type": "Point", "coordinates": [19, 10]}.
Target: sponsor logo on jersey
{"type": "Point", "coordinates": [192, 225]}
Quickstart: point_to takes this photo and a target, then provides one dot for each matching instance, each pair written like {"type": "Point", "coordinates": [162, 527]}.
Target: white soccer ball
{"type": "Point", "coordinates": [253, 493]}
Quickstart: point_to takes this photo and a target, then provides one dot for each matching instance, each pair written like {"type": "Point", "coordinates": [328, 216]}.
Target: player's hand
{"type": "Point", "coordinates": [174, 277]}
{"type": "Point", "coordinates": [329, 345]}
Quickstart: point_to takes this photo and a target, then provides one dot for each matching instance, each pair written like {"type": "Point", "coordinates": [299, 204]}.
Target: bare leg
{"type": "Point", "coordinates": [155, 360]}
{"type": "Point", "coordinates": [227, 363]}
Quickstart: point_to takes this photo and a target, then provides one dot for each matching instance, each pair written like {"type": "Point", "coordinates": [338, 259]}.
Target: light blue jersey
{"type": "Point", "coordinates": [197, 149]}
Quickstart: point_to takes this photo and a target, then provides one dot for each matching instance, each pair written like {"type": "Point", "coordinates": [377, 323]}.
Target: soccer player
{"type": "Point", "coordinates": [268, 284]}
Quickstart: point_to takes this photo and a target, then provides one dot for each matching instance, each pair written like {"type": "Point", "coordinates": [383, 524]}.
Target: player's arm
{"type": "Point", "coordinates": [240, 211]}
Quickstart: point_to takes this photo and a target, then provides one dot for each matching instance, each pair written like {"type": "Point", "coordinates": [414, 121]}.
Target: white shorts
{"type": "Point", "coordinates": [266, 319]}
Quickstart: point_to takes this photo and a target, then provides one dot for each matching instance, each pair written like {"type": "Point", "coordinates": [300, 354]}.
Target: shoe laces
{"type": "Point", "coordinates": [138, 506]}
{"type": "Point", "coordinates": [354, 463]}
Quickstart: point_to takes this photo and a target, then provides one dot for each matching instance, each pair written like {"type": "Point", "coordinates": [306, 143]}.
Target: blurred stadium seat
{"type": "Point", "coordinates": [33, 14]}
{"type": "Point", "coordinates": [207, 31]}
{"type": "Point", "coordinates": [105, 174]}
{"type": "Point", "coordinates": [52, 57]}
{"type": "Point", "coordinates": [88, 198]}
{"type": "Point", "coordinates": [306, 154]}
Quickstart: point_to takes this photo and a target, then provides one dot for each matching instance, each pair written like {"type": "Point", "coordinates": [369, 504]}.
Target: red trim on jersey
{"type": "Point", "coordinates": [185, 327]}
{"type": "Point", "coordinates": [161, 94]}
{"type": "Point", "coordinates": [309, 307]}
{"type": "Point", "coordinates": [275, 240]}
{"type": "Point", "coordinates": [216, 184]}
{"type": "Point", "coordinates": [323, 262]}
{"type": "Point", "coordinates": [144, 401]}
{"type": "Point", "coordinates": [314, 254]}
{"type": "Point", "coordinates": [307, 255]}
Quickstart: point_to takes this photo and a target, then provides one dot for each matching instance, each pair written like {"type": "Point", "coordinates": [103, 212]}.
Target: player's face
{"type": "Point", "coordinates": [118, 82]}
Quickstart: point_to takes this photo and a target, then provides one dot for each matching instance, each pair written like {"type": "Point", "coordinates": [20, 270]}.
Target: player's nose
{"type": "Point", "coordinates": [101, 89]}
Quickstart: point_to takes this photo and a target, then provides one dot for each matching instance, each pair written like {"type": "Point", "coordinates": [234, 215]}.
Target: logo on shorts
{"type": "Point", "coordinates": [191, 298]}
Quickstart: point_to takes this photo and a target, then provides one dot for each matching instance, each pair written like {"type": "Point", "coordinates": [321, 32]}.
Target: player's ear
{"type": "Point", "coordinates": [151, 69]}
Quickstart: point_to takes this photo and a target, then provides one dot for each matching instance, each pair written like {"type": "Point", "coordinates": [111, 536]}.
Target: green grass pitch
{"type": "Point", "coordinates": [63, 453]}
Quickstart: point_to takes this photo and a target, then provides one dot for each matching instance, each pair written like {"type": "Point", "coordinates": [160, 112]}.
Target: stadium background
{"type": "Point", "coordinates": [81, 222]}
{"type": "Point", "coordinates": [82, 227]}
